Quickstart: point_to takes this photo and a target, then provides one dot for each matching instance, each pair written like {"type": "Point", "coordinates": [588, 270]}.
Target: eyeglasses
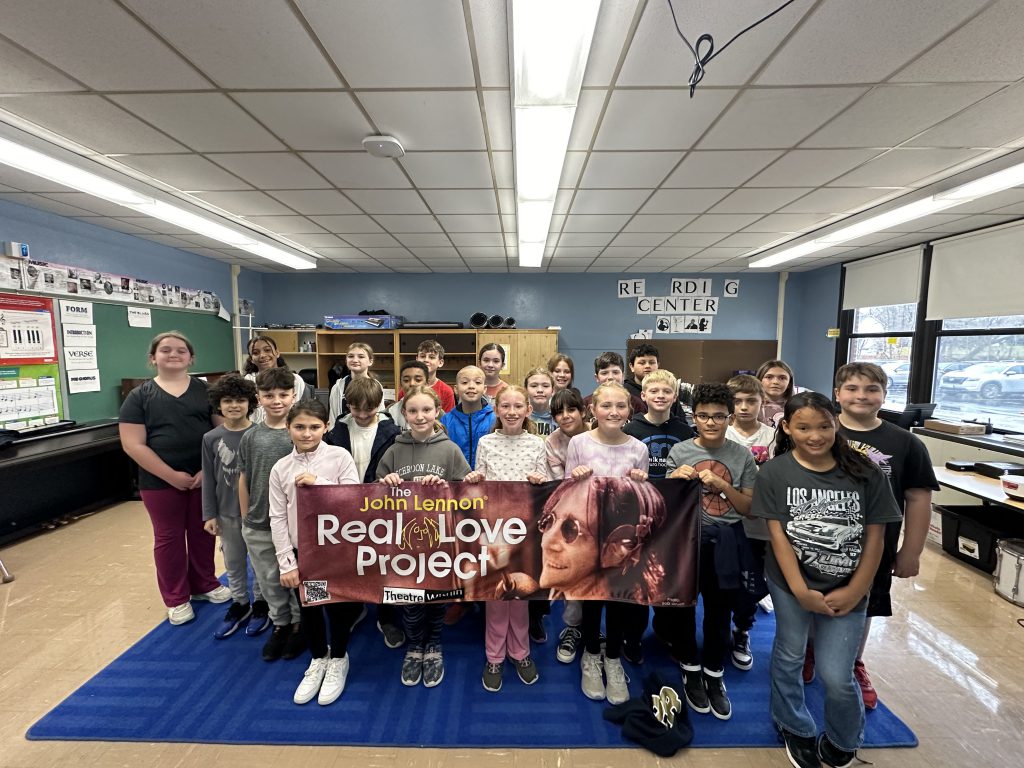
{"type": "Point", "coordinates": [718, 418]}
{"type": "Point", "coordinates": [570, 527]}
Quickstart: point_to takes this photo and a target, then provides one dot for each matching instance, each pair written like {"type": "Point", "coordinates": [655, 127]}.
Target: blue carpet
{"type": "Point", "coordinates": [178, 684]}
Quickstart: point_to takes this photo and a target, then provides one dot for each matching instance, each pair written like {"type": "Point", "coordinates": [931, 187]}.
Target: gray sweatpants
{"type": "Point", "coordinates": [284, 608]}
{"type": "Point", "coordinates": [235, 553]}
{"type": "Point", "coordinates": [572, 615]}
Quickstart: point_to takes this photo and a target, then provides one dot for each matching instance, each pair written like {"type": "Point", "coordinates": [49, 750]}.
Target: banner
{"type": "Point", "coordinates": [604, 538]}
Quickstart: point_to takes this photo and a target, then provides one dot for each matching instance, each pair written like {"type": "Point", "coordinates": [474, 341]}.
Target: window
{"type": "Point", "coordinates": [884, 335]}
{"type": "Point", "coordinates": [979, 370]}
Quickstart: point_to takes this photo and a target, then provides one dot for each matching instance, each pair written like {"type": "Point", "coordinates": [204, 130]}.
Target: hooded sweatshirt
{"type": "Point", "coordinates": [330, 464]}
{"type": "Point", "coordinates": [437, 455]}
{"type": "Point", "coordinates": [659, 439]}
{"type": "Point", "coordinates": [466, 429]}
{"type": "Point", "coordinates": [384, 436]}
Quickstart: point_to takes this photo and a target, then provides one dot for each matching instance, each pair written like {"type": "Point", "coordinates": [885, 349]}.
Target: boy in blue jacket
{"type": "Point", "coordinates": [472, 418]}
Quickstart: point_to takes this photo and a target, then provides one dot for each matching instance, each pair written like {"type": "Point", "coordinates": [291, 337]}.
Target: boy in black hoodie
{"type": "Point", "coordinates": [366, 436]}
{"type": "Point", "coordinates": [659, 430]}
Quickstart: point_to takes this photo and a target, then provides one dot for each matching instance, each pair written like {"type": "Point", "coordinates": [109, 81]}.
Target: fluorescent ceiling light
{"type": "Point", "coordinates": [550, 46]}
{"type": "Point", "coordinates": [39, 164]}
{"type": "Point", "coordinates": [886, 220]}
{"type": "Point", "coordinates": [986, 185]}
{"type": "Point", "coordinates": [789, 254]}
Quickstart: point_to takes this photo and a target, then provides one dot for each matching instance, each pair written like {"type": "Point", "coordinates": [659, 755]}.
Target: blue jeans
{"type": "Point", "coordinates": [836, 642]}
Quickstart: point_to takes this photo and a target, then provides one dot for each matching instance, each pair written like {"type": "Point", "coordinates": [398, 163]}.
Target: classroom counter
{"type": "Point", "coordinates": [72, 472]}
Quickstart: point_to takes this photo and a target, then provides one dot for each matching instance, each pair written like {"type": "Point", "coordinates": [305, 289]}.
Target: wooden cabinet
{"type": "Point", "coordinates": [526, 349]}
{"type": "Point", "coordinates": [297, 346]}
{"type": "Point", "coordinates": [699, 361]}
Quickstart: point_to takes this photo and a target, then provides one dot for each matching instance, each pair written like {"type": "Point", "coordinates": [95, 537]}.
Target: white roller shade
{"type": "Point", "coordinates": [894, 278]}
{"type": "Point", "coordinates": [978, 275]}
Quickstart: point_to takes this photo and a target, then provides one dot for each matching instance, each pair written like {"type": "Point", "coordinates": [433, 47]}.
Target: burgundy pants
{"type": "Point", "coordinates": [182, 550]}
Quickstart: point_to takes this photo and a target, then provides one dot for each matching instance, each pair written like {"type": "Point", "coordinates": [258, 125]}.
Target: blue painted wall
{"type": "Point", "coordinates": [812, 307]}
{"type": "Point", "coordinates": [62, 240]}
{"type": "Point", "coordinates": [593, 320]}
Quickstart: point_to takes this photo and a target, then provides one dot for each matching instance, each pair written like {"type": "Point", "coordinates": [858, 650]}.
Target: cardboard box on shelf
{"type": "Point", "coordinates": [954, 427]}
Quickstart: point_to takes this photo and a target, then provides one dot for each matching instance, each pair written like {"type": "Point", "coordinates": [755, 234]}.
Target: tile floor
{"type": "Point", "coordinates": [950, 663]}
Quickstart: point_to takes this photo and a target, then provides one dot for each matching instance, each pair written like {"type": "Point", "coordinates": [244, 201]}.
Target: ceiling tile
{"type": "Point", "coordinates": [309, 121]}
{"type": "Point", "coordinates": [490, 32]}
{"type": "Point", "coordinates": [477, 238]}
{"type": "Point", "coordinates": [811, 167]}
{"type": "Point", "coordinates": [562, 260]}
{"type": "Point", "coordinates": [602, 264]}
{"type": "Point", "coordinates": [610, 33]}
{"type": "Point", "coordinates": [158, 226]}
{"type": "Point", "coordinates": [503, 174]}
{"type": "Point", "coordinates": [608, 200]}
{"type": "Point", "coordinates": [460, 200]}
{"type": "Point", "coordinates": [999, 32]}
{"type": "Point", "coordinates": [28, 182]}
{"type": "Point", "coordinates": [687, 239]}
{"type": "Point", "coordinates": [469, 223]}
{"type": "Point", "coordinates": [228, 42]}
{"type": "Point", "coordinates": [311, 202]}
{"type": "Point", "coordinates": [378, 240]}
{"type": "Point", "coordinates": [482, 252]}
{"type": "Point", "coordinates": [632, 252]}
{"type": "Point", "coordinates": [683, 200]}
{"type": "Point", "coordinates": [720, 169]}
{"type": "Point", "coordinates": [245, 203]}
{"type": "Point", "coordinates": [411, 223]}
{"type": "Point", "coordinates": [431, 254]}
{"type": "Point", "coordinates": [763, 200]}
{"type": "Point", "coordinates": [387, 201]}
{"type": "Point", "coordinates": [191, 173]}
{"type": "Point", "coordinates": [650, 239]}
{"type": "Point", "coordinates": [44, 204]}
{"type": "Point", "coordinates": [721, 222]}
{"type": "Point", "coordinates": [358, 170]}
{"type": "Point", "coordinates": [394, 44]}
{"type": "Point", "coordinates": [589, 223]}
{"type": "Point", "coordinates": [344, 255]}
{"type": "Point", "coordinates": [271, 170]}
{"type": "Point", "coordinates": [976, 221]}
{"type": "Point", "coordinates": [585, 239]}
{"type": "Point", "coordinates": [345, 224]}
{"type": "Point", "coordinates": [88, 203]}
{"type": "Point", "coordinates": [888, 35]}
{"type": "Point", "coordinates": [424, 239]}
{"type": "Point", "coordinates": [659, 57]}
{"type": "Point", "coordinates": [995, 121]}
{"type": "Point", "coordinates": [317, 241]}
{"type": "Point", "coordinates": [588, 113]}
{"type": "Point", "coordinates": [628, 169]}
{"type": "Point", "coordinates": [69, 35]}
{"type": "Point", "coordinates": [499, 119]}
{"type": "Point", "coordinates": [779, 117]}
{"type": "Point", "coordinates": [748, 240]}
{"type": "Point", "coordinates": [118, 225]}
{"type": "Point", "coordinates": [286, 225]}
{"type": "Point", "coordinates": [424, 120]}
{"type": "Point", "coordinates": [841, 199]}
{"type": "Point", "coordinates": [448, 169]}
{"type": "Point", "coordinates": [22, 73]}
{"type": "Point", "coordinates": [672, 120]}
{"type": "Point", "coordinates": [90, 121]}
{"type": "Point", "coordinates": [890, 114]}
{"type": "Point", "coordinates": [206, 122]}
{"type": "Point", "coordinates": [787, 222]}
{"type": "Point", "coordinates": [998, 201]}
{"type": "Point", "coordinates": [659, 222]}
{"type": "Point", "coordinates": [903, 167]}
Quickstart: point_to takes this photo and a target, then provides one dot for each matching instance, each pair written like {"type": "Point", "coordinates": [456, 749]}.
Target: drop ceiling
{"type": "Point", "coordinates": [258, 108]}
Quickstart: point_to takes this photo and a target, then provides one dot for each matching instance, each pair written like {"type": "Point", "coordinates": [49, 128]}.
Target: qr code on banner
{"type": "Point", "coordinates": [316, 591]}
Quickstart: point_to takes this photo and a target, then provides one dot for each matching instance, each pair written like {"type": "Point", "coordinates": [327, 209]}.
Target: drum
{"type": "Point", "coordinates": [1007, 579]}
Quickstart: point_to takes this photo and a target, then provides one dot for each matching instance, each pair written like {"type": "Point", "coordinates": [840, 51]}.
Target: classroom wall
{"type": "Point", "coordinates": [593, 320]}
{"type": "Point", "coordinates": [811, 308]}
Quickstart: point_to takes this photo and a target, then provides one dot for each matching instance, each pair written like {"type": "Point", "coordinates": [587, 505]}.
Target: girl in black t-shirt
{"type": "Point", "coordinates": [163, 421]}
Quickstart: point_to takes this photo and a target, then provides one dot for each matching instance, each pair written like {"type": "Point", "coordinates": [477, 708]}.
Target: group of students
{"type": "Point", "coordinates": [798, 511]}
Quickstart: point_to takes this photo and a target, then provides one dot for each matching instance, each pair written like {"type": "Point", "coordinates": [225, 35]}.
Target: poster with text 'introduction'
{"type": "Point", "coordinates": [29, 396]}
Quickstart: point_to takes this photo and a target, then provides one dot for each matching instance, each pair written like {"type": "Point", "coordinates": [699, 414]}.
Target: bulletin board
{"type": "Point", "coordinates": [121, 351]}
{"type": "Point", "coordinates": [30, 392]}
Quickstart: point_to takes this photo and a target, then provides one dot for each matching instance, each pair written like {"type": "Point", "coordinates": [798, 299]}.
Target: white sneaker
{"type": "Point", "coordinates": [592, 681]}
{"type": "Point", "coordinates": [181, 614]}
{"type": "Point", "coordinates": [311, 680]}
{"type": "Point", "coordinates": [766, 604]}
{"type": "Point", "coordinates": [334, 681]}
{"type": "Point", "coordinates": [618, 691]}
{"type": "Point", "coordinates": [220, 595]}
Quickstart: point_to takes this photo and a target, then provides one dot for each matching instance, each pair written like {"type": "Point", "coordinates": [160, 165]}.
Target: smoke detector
{"type": "Point", "coordinates": [383, 146]}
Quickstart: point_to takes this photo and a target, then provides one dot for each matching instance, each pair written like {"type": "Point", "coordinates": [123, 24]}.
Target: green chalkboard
{"type": "Point", "coordinates": [122, 349]}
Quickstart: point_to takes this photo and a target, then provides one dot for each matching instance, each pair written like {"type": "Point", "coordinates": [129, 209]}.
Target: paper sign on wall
{"type": "Point", "coordinates": [75, 312]}
{"type": "Point", "coordinates": [684, 324]}
{"type": "Point", "coordinates": [731, 289]}
{"type": "Point", "coordinates": [628, 289]}
{"type": "Point", "coordinates": [80, 358]}
{"type": "Point", "coordinates": [84, 381]}
{"type": "Point", "coordinates": [79, 335]}
{"type": "Point", "coordinates": [140, 317]}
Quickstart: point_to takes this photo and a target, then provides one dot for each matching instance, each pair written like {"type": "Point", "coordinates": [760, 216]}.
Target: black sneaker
{"type": "Point", "coordinates": [274, 647]}
{"type": "Point", "coordinates": [693, 687]}
{"type": "Point", "coordinates": [718, 697]}
{"type": "Point", "coordinates": [633, 651]}
{"type": "Point", "coordinates": [394, 637]}
{"type": "Point", "coordinates": [236, 617]}
{"type": "Point", "coordinates": [568, 641]}
{"type": "Point", "coordinates": [742, 658]}
{"type": "Point", "coordinates": [537, 631]}
{"type": "Point", "coordinates": [802, 751]}
{"type": "Point", "coordinates": [832, 755]}
{"type": "Point", "coordinates": [296, 642]}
